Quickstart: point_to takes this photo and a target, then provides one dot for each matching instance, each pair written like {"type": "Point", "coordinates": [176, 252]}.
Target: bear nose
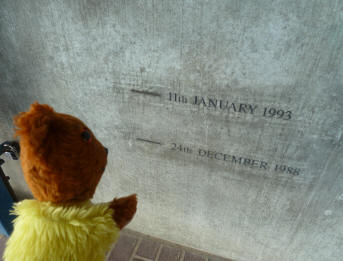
{"type": "Point", "coordinates": [106, 149]}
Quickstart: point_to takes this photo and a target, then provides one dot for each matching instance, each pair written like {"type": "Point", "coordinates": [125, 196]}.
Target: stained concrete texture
{"type": "Point", "coordinates": [225, 117]}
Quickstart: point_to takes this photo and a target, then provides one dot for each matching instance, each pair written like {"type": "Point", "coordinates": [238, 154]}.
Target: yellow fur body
{"type": "Point", "coordinates": [47, 232]}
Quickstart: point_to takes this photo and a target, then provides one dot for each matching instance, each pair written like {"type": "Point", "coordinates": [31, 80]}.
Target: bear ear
{"type": "Point", "coordinates": [35, 123]}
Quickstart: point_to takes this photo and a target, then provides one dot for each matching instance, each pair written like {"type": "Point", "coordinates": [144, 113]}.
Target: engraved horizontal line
{"type": "Point", "coordinates": [146, 92]}
{"type": "Point", "coordinates": [141, 258]}
{"type": "Point", "coordinates": [150, 141]}
{"type": "Point", "coordinates": [137, 84]}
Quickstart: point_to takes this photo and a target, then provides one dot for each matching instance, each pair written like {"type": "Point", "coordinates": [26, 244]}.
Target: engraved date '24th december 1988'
{"type": "Point", "coordinates": [237, 160]}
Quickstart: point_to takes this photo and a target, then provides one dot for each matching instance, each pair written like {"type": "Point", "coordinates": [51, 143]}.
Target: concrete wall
{"type": "Point", "coordinates": [211, 174]}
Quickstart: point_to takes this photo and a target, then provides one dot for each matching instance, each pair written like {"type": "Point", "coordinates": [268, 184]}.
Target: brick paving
{"type": "Point", "coordinates": [134, 246]}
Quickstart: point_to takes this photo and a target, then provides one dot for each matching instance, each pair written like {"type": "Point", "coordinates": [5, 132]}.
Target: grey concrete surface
{"type": "Point", "coordinates": [266, 77]}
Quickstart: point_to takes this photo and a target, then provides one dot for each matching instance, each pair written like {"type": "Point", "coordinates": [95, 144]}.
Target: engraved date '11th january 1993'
{"type": "Point", "coordinates": [235, 107]}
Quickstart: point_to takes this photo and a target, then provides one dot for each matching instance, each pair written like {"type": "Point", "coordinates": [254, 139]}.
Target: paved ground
{"type": "Point", "coordinates": [133, 246]}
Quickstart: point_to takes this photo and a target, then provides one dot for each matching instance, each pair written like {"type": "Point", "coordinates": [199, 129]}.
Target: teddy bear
{"type": "Point", "coordinates": [62, 162]}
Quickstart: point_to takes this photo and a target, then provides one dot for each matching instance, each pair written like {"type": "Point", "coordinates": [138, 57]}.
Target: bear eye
{"type": "Point", "coordinates": [86, 136]}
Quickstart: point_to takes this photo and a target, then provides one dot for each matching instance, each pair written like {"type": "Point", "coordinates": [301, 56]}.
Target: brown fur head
{"type": "Point", "coordinates": [61, 158]}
